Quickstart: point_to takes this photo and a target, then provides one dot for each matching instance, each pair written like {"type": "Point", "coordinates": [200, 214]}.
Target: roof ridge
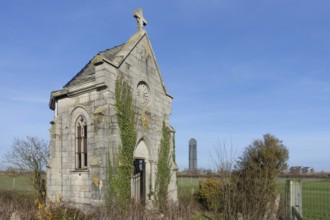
{"type": "Point", "coordinates": [102, 53]}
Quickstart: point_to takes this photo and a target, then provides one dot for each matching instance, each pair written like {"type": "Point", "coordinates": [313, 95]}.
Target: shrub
{"type": "Point", "coordinates": [210, 194]}
{"type": "Point", "coordinates": [257, 172]}
{"type": "Point", "coordinates": [249, 190]}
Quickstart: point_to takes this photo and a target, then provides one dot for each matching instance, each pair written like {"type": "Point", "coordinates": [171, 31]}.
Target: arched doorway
{"type": "Point", "coordinates": [141, 172]}
{"type": "Point", "coordinates": [139, 179]}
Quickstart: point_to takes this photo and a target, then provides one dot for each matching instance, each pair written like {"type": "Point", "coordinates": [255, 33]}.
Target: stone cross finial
{"type": "Point", "coordinates": [138, 14]}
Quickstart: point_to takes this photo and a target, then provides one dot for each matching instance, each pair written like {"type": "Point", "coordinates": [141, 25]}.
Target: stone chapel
{"type": "Point", "coordinates": [85, 127]}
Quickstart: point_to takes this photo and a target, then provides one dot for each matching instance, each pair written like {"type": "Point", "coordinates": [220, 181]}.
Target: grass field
{"type": "Point", "coordinates": [316, 192]}
{"type": "Point", "coordinates": [16, 183]}
{"type": "Point", "coordinates": [315, 198]}
{"type": "Point", "coordinates": [188, 185]}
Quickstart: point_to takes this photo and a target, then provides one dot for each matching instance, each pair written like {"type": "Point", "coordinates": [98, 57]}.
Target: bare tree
{"type": "Point", "coordinates": [30, 154]}
{"type": "Point", "coordinates": [224, 159]}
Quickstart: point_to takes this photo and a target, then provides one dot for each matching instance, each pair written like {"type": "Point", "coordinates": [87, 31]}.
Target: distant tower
{"type": "Point", "coordinates": [192, 155]}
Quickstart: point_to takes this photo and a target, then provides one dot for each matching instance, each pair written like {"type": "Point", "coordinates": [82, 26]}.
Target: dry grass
{"type": "Point", "coordinates": [184, 211]}
{"type": "Point", "coordinates": [22, 204]}
{"type": "Point", "coordinates": [26, 208]}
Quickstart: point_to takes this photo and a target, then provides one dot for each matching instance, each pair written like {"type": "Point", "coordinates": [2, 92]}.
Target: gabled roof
{"type": "Point", "coordinates": [114, 56]}
{"type": "Point", "coordinates": [87, 74]}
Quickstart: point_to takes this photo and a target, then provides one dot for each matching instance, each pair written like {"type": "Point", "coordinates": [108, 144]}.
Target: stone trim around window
{"type": "Point", "coordinates": [81, 148]}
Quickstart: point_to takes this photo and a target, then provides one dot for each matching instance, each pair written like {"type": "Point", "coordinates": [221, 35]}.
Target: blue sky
{"type": "Point", "coordinates": [237, 69]}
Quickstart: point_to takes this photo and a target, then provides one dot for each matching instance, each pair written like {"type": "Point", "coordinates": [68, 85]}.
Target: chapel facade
{"type": "Point", "coordinates": [85, 126]}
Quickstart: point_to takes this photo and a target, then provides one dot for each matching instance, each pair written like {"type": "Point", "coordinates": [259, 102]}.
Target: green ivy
{"type": "Point", "coordinates": [121, 170]}
{"type": "Point", "coordinates": [174, 157]}
{"type": "Point", "coordinates": [163, 168]}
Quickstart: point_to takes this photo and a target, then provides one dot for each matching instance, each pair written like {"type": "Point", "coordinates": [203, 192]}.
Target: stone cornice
{"type": "Point", "coordinates": [73, 91]}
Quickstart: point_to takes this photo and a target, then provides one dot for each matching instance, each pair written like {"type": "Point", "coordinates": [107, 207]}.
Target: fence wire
{"type": "Point", "coordinates": [316, 199]}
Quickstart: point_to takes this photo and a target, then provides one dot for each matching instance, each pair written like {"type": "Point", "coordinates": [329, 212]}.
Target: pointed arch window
{"type": "Point", "coordinates": [81, 143]}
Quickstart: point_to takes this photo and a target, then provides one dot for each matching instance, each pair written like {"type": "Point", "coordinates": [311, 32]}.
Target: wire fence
{"type": "Point", "coordinates": [312, 200]}
{"type": "Point", "coordinates": [316, 199]}
{"type": "Point", "coordinates": [309, 198]}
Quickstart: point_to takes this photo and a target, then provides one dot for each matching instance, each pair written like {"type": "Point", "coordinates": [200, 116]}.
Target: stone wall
{"type": "Point", "coordinates": [95, 101]}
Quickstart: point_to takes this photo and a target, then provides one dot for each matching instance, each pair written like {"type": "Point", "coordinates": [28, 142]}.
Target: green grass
{"type": "Point", "coordinates": [316, 199]}
{"type": "Point", "coordinates": [316, 195]}
{"type": "Point", "coordinates": [187, 186]}
{"type": "Point", "coordinates": [316, 192]}
{"type": "Point", "coordinates": [19, 183]}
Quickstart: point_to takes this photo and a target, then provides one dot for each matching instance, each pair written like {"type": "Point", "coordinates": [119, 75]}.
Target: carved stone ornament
{"type": "Point", "coordinates": [138, 14]}
{"type": "Point", "coordinates": [142, 93]}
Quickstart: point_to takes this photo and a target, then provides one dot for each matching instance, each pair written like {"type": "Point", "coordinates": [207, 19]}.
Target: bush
{"type": "Point", "coordinates": [259, 168]}
{"type": "Point", "coordinates": [250, 190]}
{"type": "Point", "coordinates": [210, 194]}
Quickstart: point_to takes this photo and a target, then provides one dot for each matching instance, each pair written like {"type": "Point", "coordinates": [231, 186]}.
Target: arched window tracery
{"type": "Point", "coordinates": [81, 143]}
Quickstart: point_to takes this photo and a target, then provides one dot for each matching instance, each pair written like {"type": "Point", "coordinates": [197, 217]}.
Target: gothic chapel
{"type": "Point", "coordinates": [85, 126]}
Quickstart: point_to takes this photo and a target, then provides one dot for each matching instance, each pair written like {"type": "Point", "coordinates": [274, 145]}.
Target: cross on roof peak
{"type": "Point", "coordinates": [138, 14]}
